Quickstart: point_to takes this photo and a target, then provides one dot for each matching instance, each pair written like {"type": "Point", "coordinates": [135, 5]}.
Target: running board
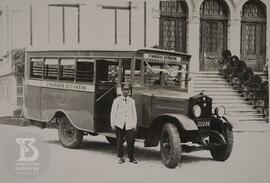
{"type": "Point", "coordinates": [113, 135]}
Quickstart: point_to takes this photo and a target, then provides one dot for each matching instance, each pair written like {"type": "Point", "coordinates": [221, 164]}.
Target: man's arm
{"type": "Point", "coordinates": [134, 112]}
{"type": "Point", "coordinates": [113, 113]}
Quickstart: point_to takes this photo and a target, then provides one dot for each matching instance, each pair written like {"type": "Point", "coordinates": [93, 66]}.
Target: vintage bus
{"type": "Point", "coordinates": [76, 88]}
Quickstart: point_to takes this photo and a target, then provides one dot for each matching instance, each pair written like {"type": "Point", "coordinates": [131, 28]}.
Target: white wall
{"type": "Point", "coordinates": [97, 25]}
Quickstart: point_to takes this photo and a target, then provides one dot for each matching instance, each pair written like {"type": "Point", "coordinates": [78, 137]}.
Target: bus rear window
{"type": "Point", "coordinates": [36, 66]}
{"type": "Point", "coordinates": [85, 70]}
{"type": "Point", "coordinates": [51, 68]}
{"type": "Point", "coordinates": [67, 69]}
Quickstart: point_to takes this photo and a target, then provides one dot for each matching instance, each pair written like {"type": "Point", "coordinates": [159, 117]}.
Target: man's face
{"type": "Point", "coordinates": [125, 90]}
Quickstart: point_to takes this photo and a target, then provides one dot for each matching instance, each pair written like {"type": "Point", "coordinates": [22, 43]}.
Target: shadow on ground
{"type": "Point", "coordinates": [141, 153]}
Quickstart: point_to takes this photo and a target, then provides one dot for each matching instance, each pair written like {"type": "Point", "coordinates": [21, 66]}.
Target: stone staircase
{"type": "Point", "coordinates": [222, 92]}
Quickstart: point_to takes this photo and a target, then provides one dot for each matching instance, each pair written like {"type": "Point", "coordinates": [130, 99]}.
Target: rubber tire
{"type": "Point", "coordinates": [171, 160]}
{"type": "Point", "coordinates": [223, 153]}
{"type": "Point", "coordinates": [111, 140]}
{"type": "Point", "coordinates": [73, 142]}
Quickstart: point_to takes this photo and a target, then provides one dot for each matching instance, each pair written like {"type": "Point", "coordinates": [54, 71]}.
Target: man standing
{"type": "Point", "coordinates": [124, 119]}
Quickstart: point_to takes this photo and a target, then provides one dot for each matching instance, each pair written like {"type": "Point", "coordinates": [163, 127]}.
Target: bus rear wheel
{"type": "Point", "coordinates": [170, 145]}
{"type": "Point", "coordinates": [69, 136]}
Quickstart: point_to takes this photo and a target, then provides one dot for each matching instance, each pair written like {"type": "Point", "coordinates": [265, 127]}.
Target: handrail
{"type": "Point", "coordinates": [105, 94]}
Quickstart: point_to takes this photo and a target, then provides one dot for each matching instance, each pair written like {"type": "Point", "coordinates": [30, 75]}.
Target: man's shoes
{"type": "Point", "coordinates": [121, 160]}
{"type": "Point", "coordinates": [133, 161]}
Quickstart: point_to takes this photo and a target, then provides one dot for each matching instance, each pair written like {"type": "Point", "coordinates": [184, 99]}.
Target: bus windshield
{"type": "Point", "coordinates": [165, 74]}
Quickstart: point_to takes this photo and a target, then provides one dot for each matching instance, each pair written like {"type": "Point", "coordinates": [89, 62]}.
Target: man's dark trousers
{"type": "Point", "coordinates": [130, 138]}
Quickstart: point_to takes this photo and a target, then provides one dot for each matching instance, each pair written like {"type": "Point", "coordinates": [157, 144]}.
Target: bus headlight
{"type": "Point", "coordinates": [197, 111]}
{"type": "Point", "coordinates": [220, 111]}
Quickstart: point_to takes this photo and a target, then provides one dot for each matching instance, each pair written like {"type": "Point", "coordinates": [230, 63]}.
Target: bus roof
{"type": "Point", "coordinates": [100, 49]}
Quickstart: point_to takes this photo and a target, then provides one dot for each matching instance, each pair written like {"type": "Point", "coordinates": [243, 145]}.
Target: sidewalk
{"type": "Point", "coordinates": [6, 108]}
{"type": "Point", "coordinates": [251, 127]}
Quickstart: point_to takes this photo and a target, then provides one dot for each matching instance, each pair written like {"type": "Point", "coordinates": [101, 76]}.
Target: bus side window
{"type": "Point", "coordinates": [173, 78]}
{"type": "Point", "coordinates": [51, 68]}
{"type": "Point", "coordinates": [85, 70]}
{"type": "Point", "coordinates": [126, 72]}
{"type": "Point", "coordinates": [137, 73]}
{"type": "Point", "coordinates": [113, 73]}
{"type": "Point", "coordinates": [36, 65]}
{"type": "Point", "coordinates": [67, 69]}
{"type": "Point", "coordinates": [152, 77]}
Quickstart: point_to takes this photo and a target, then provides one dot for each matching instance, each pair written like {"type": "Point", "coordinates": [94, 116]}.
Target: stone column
{"type": "Point", "coordinates": [193, 41]}
{"type": "Point", "coordinates": [193, 46]}
{"type": "Point", "coordinates": [234, 36]}
{"type": "Point", "coordinates": [268, 37]}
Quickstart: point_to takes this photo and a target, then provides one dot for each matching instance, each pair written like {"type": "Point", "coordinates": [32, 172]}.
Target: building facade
{"type": "Point", "coordinates": [203, 28]}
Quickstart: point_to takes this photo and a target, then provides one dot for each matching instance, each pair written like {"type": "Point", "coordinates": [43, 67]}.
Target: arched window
{"type": "Point", "coordinates": [253, 11]}
{"type": "Point", "coordinates": [213, 8]}
{"type": "Point", "coordinates": [173, 19]}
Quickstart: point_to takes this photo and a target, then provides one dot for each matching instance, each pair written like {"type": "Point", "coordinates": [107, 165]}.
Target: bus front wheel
{"type": "Point", "coordinates": [69, 136]}
{"type": "Point", "coordinates": [170, 145]}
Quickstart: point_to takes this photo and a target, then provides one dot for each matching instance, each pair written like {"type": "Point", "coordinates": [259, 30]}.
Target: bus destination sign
{"type": "Point", "coordinates": [162, 57]}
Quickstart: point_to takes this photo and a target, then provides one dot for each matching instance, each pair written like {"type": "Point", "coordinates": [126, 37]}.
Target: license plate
{"type": "Point", "coordinates": [203, 123]}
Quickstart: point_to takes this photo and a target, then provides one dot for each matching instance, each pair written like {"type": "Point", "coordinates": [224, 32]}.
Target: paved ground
{"type": "Point", "coordinates": [96, 162]}
{"type": "Point", "coordinates": [5, 108]}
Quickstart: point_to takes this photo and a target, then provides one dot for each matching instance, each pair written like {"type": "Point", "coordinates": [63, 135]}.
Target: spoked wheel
{"type": "Point", "coordinates": [69, 136]}
{"type": "Point", "coordinates": [223, 152]}
{"type": "Point", "coordinates": [170, 145]}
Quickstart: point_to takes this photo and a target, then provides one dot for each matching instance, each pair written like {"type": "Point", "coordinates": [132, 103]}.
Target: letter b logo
{"type": "Point", "coordinates": [26, 147]}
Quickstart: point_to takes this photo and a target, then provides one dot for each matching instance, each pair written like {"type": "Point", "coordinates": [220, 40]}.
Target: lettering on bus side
{"type": "Point", "coordinates": [68, 86]}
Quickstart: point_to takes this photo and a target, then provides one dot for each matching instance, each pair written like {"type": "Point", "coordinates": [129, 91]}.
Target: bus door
{"type": "Point", "coordinates": [105, 92]}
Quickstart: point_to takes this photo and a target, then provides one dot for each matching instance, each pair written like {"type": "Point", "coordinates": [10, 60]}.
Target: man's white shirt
{"type": "Point", "coordinates": [124, 112]}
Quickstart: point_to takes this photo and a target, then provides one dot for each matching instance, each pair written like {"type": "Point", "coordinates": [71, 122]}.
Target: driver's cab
{"type": "Point", "coordinates": [148, 70]}
{"type": "Point", "coordinates": [108, 77]}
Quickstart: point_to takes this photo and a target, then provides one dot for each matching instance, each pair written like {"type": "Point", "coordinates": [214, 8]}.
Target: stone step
{"type": "Point", "coordinates": [214, 89]}
{"type": "Point", "coordinates": [242, 119]}
{"type": "Point", "coordinates": [246, 114]}
{"type": "Point", "coordinates": [216, 82]}
{"type": "Point", "coordinates": [235, 102]}
{"type": "Point", "coordinates": [222, 93]}
{"type": "Point", "coordinates": [213, 84]}
{"type": "Point", "coordinates": [238, 110]}
{"type": "Point", "coordinates": [207, 72]}
{"type": "Point", "coordinates": [232, 105]}
{"type": "Point", "coordinates": [220, 86]}
{"type": "Point", "coordinates": [210, 79]}
{"type": "Point", "coordinates": [229, 97]}
{"type": "Point", "coordinates": [225, 93]}
{"type": "Point", "coordinates": [206, 76]}
{"type": "Point", "coordinates": [243, 110]}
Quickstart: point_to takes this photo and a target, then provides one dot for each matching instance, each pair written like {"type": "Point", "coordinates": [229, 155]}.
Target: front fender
{"type": "Point", "coordinates": [219, 123]}
{"type": "Point", "coordinates": [181, 121]}
{"type": "Point", "coordinates": [230, 120]}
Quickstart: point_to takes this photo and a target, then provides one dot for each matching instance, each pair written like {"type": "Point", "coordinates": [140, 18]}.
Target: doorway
{"type": "Point", "coordinates": [213, 33]}
{"type": "Point", "coordinates": [105, 93]}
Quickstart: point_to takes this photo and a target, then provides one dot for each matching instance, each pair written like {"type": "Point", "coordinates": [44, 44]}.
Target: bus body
{"type": "Point", "coordinates": [77, 88]}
